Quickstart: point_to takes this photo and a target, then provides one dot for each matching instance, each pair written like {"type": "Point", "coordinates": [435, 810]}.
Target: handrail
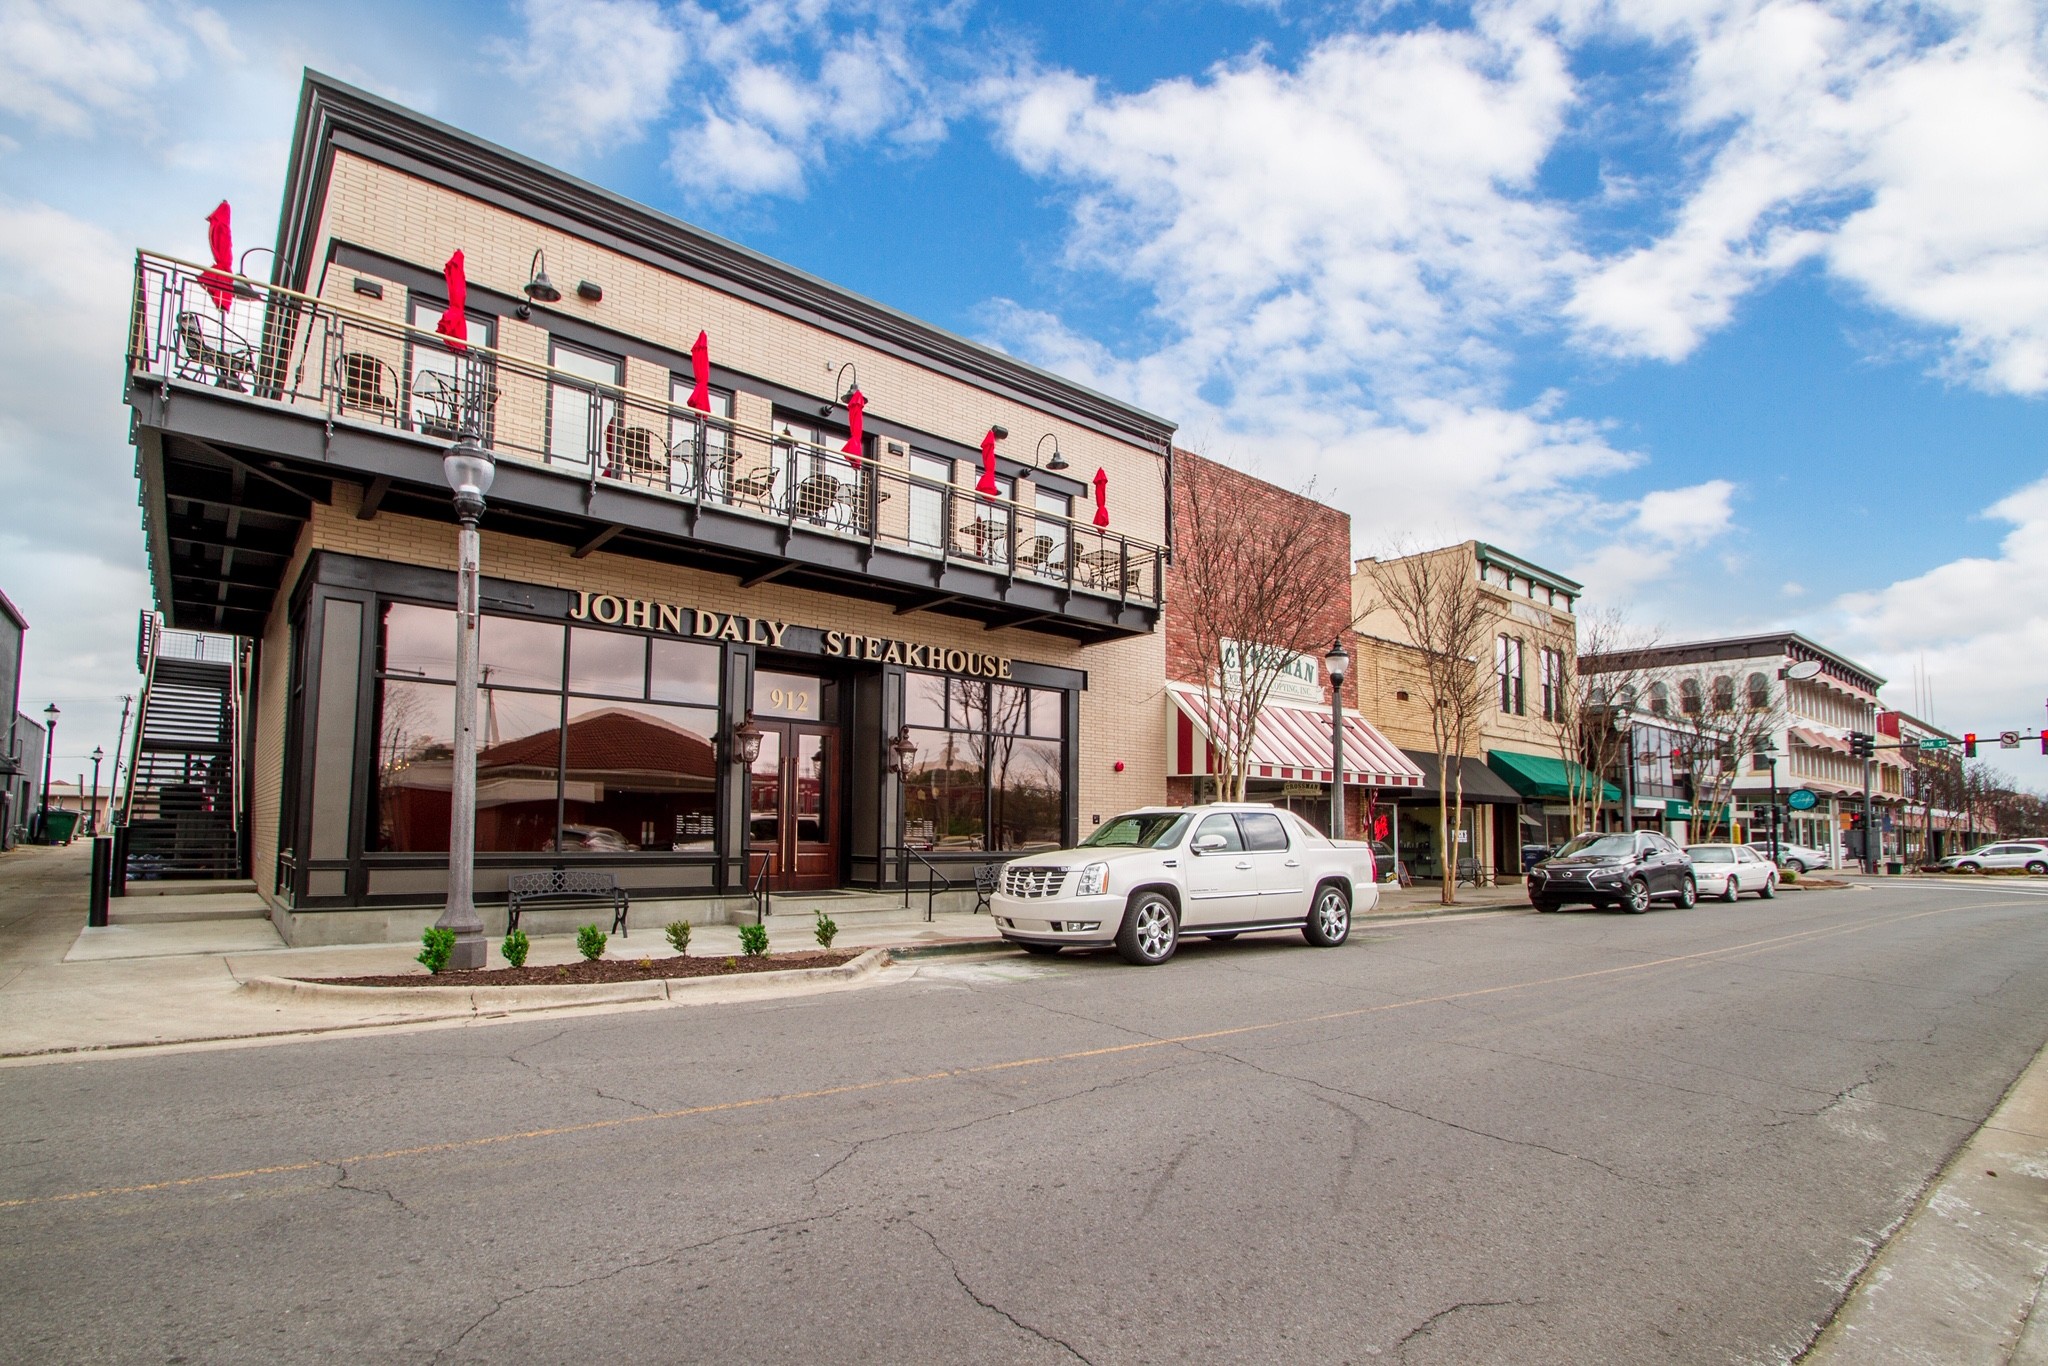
{"type": "Point", "coordinates": [301, 350]}
{"type": "Point", "coordinates": [148, 630]}
{"type": "Point", "coordinates": [935, 877]}
{"type": "Point", "coordinates": [763, 894]}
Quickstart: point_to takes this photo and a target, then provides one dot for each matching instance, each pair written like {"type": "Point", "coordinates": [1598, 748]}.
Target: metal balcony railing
{"type": "Point", "coordinates": [278, 345]}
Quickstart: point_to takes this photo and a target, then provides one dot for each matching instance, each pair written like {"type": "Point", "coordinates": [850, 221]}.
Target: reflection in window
{"type": "Point", "coordinates": [417, 642]}
{"type": "Point", "coordinates": [638, 776]}
{"type": "Point", "coordinates": [518, 743]}
{"type": "Point", "coordinates": [517, 652]}
{"type": "Point", "coordinates": [924, 699]}
{"type": "Point", "coordinates": [415, 765]}
{"type": "Point", "coordinates": [929, 491]}
{"type": "Point", "coordinates": [577, 412]}
{"type": "Point", "coordinates": [1025, 792]}
{"type": "Point", "coordinates": [610, 662]}
{"type": "Point", "coordinates": [944, 796]}
{"type": "Point", "coordinates": [684, 671]}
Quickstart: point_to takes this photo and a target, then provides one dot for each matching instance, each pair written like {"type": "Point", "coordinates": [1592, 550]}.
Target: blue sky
{"type": "Point", "coordinates": [1736, 309]}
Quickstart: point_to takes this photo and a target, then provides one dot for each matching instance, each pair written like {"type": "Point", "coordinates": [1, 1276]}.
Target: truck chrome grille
{"type": "Point", "coordinates": [1034, 882]}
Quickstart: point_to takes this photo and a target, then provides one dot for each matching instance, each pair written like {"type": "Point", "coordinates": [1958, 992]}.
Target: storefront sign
{"type": "Point", "coordinates": [645, 614]}
{"type": "Point", "coordinates": [1294, 676]}
{"type": "Point", "coordinates": [1801, 799]}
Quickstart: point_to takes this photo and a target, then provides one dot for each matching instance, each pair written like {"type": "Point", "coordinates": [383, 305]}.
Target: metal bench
{"type": "Point", "coordinates": [566, 884]}
{"type": "Point", "coordinates": [987, 876]}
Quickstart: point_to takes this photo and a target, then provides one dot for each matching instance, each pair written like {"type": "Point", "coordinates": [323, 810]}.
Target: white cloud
{"type": "Point", "coordinates": [64, 64]}
{"type": "Point", "coordinates": [598, 71]}
{"type": "Point", "coordinates": [1979, 624]}
{"type": "Point", "coordinates": [779, 88]}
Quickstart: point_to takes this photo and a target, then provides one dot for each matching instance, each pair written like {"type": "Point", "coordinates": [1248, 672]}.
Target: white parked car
{"type": "Point", "coordinates": [1801, 859]}
{"type": "Point", "coordinates": [1728, 870]}
{"type": "Point", "coordinates": [2004, 854]}
{"type": "Point", "coordinates": [1145, 879]}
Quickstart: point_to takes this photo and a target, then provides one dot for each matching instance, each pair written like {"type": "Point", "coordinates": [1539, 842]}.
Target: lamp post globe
{"type": "Point", "coordinates": [1338, 662]}
{"type": "Point", "coordinates": [97, 755]}
{"type": "Point", "coordinates": [468, 467]}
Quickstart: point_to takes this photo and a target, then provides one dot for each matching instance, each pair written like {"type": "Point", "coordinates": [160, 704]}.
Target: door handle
{"type": "Point", "coordinates": [1294, 863]}
{"type": "Point", "coordinates": [1245, 863]}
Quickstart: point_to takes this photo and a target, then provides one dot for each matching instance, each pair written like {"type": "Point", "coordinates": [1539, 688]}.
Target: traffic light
{"type": "Point", "coordinates": [1861, 745]}
{"type": "Point", "coordinates": [1970, 744]}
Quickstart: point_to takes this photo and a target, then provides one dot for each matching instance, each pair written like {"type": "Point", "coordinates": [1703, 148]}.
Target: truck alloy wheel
{"type": "Point", "coordinates": [1149, 933]}
{"type": "Point", "coordinates": [1329, 921]}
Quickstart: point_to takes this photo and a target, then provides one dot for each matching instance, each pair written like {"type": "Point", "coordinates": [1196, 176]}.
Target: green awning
{"type": "Point", "coordinates": [1675, 810]}
{"type": "Point", "coordinates": [1542, 775]}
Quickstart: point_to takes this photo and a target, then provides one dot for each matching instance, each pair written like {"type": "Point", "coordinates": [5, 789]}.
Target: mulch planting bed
{"type": "Point", "coordinates": [602, 970]}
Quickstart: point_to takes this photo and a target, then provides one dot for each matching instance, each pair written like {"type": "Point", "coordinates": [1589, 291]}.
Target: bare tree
{"type": "Point", "coordinates": [1719, 720]}
{"type": "Point", "coordinates": [1253, 602]}
{"type": "Point", "coordinates": [1611, 672]}
{"type": "Point", "coordinates": [1434, 597]}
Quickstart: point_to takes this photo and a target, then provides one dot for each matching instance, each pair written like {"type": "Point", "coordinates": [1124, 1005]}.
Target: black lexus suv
{"type": "Point", "coordinates": [1629, 871]}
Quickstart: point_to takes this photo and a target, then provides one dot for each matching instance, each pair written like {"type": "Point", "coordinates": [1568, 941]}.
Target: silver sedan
{"type": "Point", "coordinates": [1728, 870]}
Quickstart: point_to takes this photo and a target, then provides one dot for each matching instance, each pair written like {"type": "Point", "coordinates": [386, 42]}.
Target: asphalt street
{"type": "Point", "coordinates": [1500, 1138]}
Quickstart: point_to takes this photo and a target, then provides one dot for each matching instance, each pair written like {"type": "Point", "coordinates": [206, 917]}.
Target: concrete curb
{"type": "Point", "coordinates": [1959, 1280]}
{"type": "Point", "coordinates": [499, 1000]}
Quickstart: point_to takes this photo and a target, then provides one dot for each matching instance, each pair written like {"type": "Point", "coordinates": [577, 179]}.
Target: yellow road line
{"type": "Point", "coordinates": [851, 1088]}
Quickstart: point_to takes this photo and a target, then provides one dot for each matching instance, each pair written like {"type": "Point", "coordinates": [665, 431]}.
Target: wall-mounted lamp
{"type": "Point", "coordinates": [842, 387]}
{"type": "Point", "coordinates": [1058, 461]}
{"type": "Point", "coordinates": [1002, 433]}
{"type": "Point", "coordinates": [902, 750]}
{"type": "Point", "coordinates": [746, 742]}
{"type": "Point", "coordinates": [539, 287]}
{"type": "Point", "coordinates": [586, 290]}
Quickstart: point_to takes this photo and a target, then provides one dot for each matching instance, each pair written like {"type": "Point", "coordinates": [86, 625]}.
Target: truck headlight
{"type": "Point", "coordinates": [1094, 880]}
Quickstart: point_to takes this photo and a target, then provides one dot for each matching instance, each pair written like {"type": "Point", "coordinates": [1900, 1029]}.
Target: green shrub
{"type": "Point", "coordinates": [678, 933]}
{"type": "Point", "coordinates": [731, 963]}
{"type": "Point", "coordinates": [1788, 876]}
{"type": "Point", "coordinates": [826, 929]}
{"type": "Point", "coordinates": [753, 940]}
{"type": "Point", "coordinates": [439, 944]}
{"type": "Point", "coordinates": [515, 947]}
{"type": "Point", "coordinates": [590, 941]}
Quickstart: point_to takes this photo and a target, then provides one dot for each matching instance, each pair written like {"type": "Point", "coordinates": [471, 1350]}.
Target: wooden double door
{"type": "Point", "coordinates": [793, 806]}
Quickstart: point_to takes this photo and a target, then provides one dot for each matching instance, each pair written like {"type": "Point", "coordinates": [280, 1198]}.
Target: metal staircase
{"type": "Point", "coordinates": [181, 813]}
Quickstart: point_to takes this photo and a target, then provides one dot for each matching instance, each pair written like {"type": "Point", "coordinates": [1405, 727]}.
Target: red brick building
{"type": "Point", "coordinates": [1229, 522]}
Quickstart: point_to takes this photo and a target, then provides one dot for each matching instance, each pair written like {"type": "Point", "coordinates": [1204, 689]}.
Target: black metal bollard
{"type": "Point", "coordinates": [117, 876]}
{"type": "Point", "coordinates": [102, 876]}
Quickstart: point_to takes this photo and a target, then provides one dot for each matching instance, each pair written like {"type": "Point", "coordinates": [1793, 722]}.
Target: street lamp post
{"type": "Point", "coordinates": [1766, 756]}
{"type": "Point", "coordinates": [1338, 662]}
{"type": "Point", "coordinates": [97, 755]}
{"type": "Point", "coordinates": [468, 467]}
{"type": "Point", "coordinates": [49, 753]}
{"type": "Point", "coordinates": [1625, 727]}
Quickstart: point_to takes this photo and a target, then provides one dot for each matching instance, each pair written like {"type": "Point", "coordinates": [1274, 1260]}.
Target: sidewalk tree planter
{"type": "Point", "coordinates": [599, 970]}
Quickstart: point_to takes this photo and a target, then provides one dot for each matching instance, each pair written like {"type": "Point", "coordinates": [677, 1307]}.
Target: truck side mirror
{"type": "Point", "coordinates": [1208, 844]}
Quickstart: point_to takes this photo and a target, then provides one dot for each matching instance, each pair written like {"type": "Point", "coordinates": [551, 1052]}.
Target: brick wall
{"type": "Point", "coordinates": [1273, 506]}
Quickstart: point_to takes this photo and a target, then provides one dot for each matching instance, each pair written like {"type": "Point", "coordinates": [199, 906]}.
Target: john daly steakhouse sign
{"type": "Point", "coordinates": [644, 614]}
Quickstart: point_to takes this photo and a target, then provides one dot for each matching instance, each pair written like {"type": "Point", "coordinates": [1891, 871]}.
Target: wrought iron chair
{"type": "Point", "coordinates": [629, 454]}
{"type": "Point", "coordinates": [755, 486]}
{"type": "Point", "coordinates": [815, 497]}
{"type": "Point", "coordinates": [209, 348]}
{"type": "Point", "coordinates": [1035, 559]}
{"type": "Point", "coordinates": [359, 379]}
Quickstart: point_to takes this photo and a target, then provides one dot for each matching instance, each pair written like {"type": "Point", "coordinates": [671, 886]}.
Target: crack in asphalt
{"type": "Point", "coordinates": [641, 1264]}
{"type": "Point", "coordinates": [342, 1183]}
{"type": "Point", "coordinates": [1166, 1175]}
{"type": "Point", "coordinates": [1049, 1339]}
{"type": "Point", "coordinates": [1446, 1123]}
{"type": "Point", "coordinates": [935, 1131]}
{"type": "Point", "coordinates": [1428, 1325]}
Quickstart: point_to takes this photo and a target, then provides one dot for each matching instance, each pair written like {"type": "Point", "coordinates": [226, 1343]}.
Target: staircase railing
{"type": "Point", "coordinates": [148, 630]}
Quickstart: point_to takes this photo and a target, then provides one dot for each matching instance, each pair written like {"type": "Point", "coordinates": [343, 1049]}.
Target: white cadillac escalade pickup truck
{"type": "Point", "coordinates": [1142, 881]}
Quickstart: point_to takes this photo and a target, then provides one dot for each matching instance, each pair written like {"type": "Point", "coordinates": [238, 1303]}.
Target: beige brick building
{"type": "Point", "coordinates": [945, 653]}
{"type": "Point", "coordinates": [1519, 739]}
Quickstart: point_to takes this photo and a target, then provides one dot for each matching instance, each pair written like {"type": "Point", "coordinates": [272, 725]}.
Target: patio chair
{"type": "Point", "coordinates": [359, 378]}
{"type": "Point", "coordinates": [815, 497]}
{"type": "Point", "coordinates": [208, 347]}
{"type": "Point", "coordinates": [754, 486]}
{"type": "Point", "coordinates": [629, 454]}
{"type": "Point", "coordinates": [1035, 559]}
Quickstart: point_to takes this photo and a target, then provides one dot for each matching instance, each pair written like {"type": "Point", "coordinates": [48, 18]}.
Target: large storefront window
{"type": "Point", "coordinates": [612, 763]}
{"type": "Point", "coordinates": [989, 768]}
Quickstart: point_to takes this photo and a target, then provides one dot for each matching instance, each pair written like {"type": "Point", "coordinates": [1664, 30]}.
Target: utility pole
{"type": "Point", "coordinates": [120, 738]}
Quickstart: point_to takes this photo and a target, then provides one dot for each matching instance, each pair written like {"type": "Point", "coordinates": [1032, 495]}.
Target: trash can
{"type": "Point", "coordinates": [55, 827]}
{"type": "Point", "coordinates": [1895, 867]}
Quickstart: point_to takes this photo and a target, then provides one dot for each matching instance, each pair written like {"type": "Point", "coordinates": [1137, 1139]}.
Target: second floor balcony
{"type": "Point", "coordinates": [247, 413]}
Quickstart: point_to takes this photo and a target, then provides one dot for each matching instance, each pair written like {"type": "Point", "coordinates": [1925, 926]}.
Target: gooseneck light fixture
{"type": "Point", "coordinates": [842, 388]}
{"type": "Point", "coordinates": [1058, 461]}
{"type": "Point", "coordinates": [469, 467]}
{"type": "Point", "coordinates": [539, 288]}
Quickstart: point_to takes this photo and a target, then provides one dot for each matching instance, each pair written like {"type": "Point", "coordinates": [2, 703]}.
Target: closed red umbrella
{"type": "Point", "coordinates": [700, 366]}
{"type": "Point", "coordinates": [454, 324]}
{"type": "Point", "coordinates": [856, 405]}
{"type": "Point", "coordinates": [1101, 497]}
{"type": "Point", "coordinates": [987, 485]}
{"type": "Point", "coordinates": [220, 281]}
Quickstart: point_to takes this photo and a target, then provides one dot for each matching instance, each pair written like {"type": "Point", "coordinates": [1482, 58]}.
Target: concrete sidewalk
{"type": "Point", "coordinates": [173, 969]}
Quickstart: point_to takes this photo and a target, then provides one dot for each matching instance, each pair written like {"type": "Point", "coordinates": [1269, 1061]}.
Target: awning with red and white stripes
{"type": "Point", "coordinates": [1815, 739]}
{"type": "Point", "coordinates": [1290, 743]}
